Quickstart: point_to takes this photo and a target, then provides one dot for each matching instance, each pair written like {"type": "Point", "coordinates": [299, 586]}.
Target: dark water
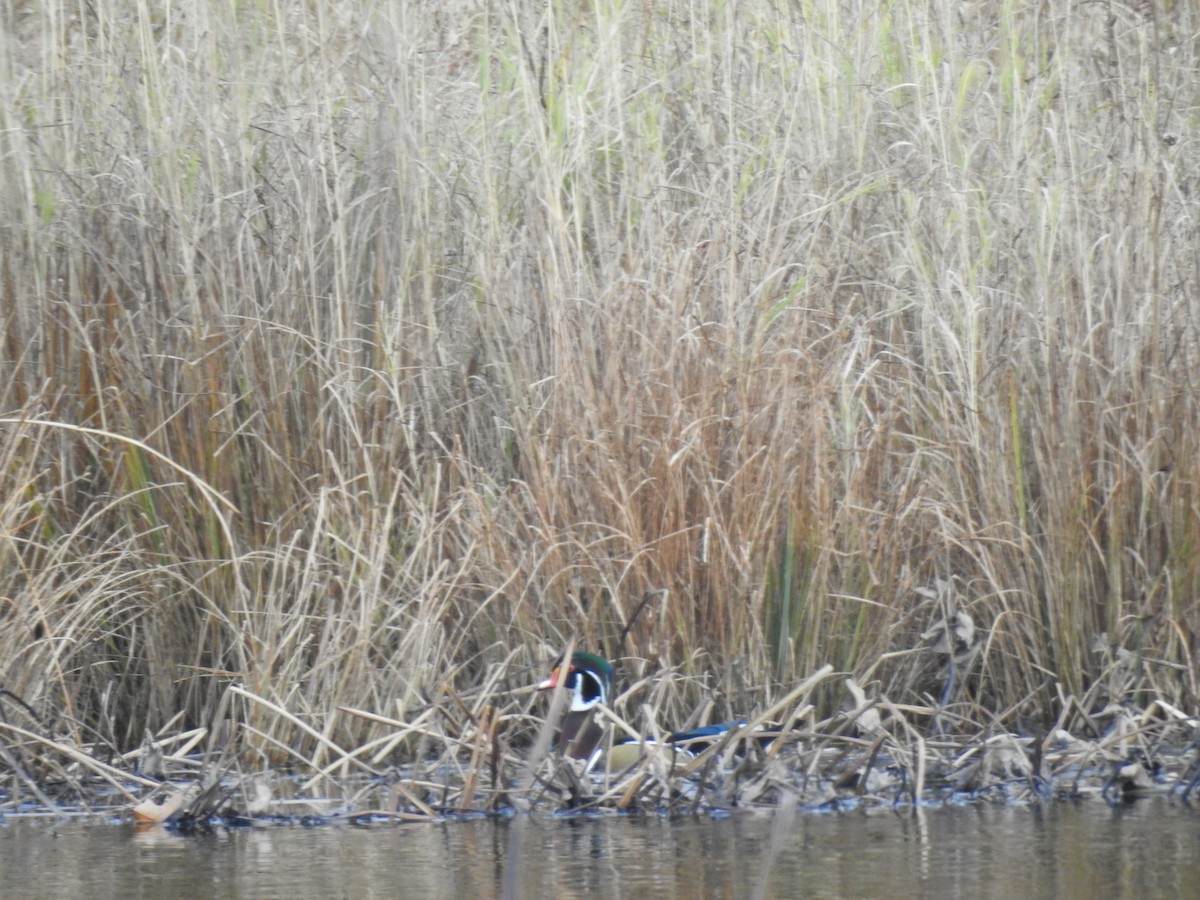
{"type": "Point", "coordinates": [1066, 849]}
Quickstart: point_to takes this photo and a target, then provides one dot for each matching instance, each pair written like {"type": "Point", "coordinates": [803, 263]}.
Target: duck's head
{"type": "Point", "coordinates": [587, 678]}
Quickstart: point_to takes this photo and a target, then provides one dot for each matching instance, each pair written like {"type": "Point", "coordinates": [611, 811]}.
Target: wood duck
{"type": "Point", "coordinates": [588, 679]}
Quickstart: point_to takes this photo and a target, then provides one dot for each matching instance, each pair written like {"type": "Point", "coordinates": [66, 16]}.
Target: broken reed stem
{"type": "Point", "coordinates": [189, 740]}
{"type": "Point", "coordinates": [796, 694]}
{"type": "Point", "coordinates": [412, 799]}
{"type": "Point", "coordinates": [390, 741]}
{"type": "Point", "coordinates": [22, 777]}
{"type": "Point", "coordinates": [861, 787]}
{"type": "Point", "coordinates": [344, 756]}
{"type": "Point", "coordinates": [919, 783]}
{"type": "Point", "coordinates": [113, 776]}
{"type": "Point", "coordinates": [482, 733]}
{"type": "Point", "coordinates": [545, 735]}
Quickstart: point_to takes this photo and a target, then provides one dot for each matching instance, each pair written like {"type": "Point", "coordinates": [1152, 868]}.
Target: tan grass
{"type": "Point", "coordinates": [707, 337]}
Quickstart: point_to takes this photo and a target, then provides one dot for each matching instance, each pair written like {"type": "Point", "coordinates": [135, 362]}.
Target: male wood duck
{"type": "Point", "coordinates": [588, 679]}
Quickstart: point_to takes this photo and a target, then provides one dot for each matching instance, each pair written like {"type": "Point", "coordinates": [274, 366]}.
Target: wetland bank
{"type": "Point", "coordinates": [826, 365]}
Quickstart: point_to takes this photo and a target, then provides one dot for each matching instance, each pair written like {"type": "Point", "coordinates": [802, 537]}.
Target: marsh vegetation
{"type": "Point", "coordinates": [359, 356]}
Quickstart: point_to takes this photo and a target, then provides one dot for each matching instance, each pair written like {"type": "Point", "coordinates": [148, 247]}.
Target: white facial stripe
{"type": "Point", "coordinates": [585, 696]}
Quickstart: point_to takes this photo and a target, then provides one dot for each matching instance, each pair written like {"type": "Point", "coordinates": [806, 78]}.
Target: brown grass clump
{"type": "Point", "coordinates": [360, 355]}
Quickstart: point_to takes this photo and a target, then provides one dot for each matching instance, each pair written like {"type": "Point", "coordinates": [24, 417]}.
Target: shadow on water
{"type": "Point", "coordinates": [1065, 849]}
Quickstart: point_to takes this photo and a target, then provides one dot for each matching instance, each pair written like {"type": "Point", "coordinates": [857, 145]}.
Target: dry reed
{"type": "Point", "coordinates": [361, 355]}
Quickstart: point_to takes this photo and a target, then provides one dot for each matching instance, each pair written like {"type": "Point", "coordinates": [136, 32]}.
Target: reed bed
{"type": "Point", "coordinates": [358, 356]}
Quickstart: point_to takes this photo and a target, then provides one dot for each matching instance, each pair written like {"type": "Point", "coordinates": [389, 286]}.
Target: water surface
{"type": "Point", "coordinates": [1064, 849]}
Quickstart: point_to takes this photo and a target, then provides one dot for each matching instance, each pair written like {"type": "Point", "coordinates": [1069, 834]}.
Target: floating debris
{"type": "Point", "coordinates": [164, 802]}
{"type": "Point", "coordinates": [874, 752]}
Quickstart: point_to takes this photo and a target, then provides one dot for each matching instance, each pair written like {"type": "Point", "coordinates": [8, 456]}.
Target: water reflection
{"type": "Point", "coordinates": [1085, 849]}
